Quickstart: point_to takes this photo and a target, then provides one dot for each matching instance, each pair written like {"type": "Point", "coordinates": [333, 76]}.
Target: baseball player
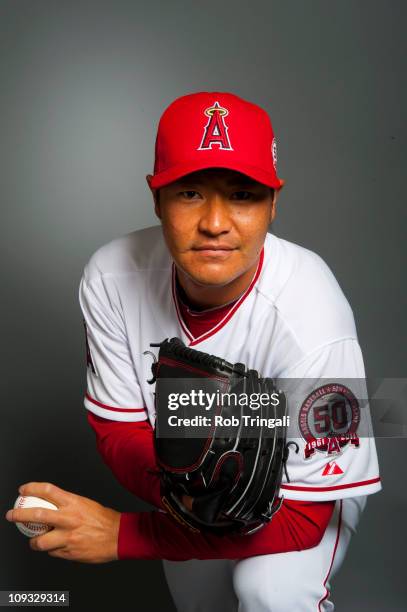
{"type": "Point", "coordinates": [212, 275]}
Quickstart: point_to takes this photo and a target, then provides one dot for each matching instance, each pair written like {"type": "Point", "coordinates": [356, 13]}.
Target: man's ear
{"type": "Point", "coordinates": [275, 193]}
{"type": "Point", "coordinates": [157, 208]}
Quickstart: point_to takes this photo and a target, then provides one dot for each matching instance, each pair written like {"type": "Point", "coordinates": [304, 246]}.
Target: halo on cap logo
{"type": "Point", "coordinates": [274, 153]}
{"type": "Point", "coordinates": [216, 130]}
{"type": "Point", "coordinates": [328, 419]}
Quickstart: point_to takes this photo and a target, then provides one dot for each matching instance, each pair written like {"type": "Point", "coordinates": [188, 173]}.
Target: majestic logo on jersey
{"type": "Point", "coordinates": [328, 419]}
{"type": "Point", "coordinates": [216, 130]}
{"type": "Point", "coordinates": [331, 469]}
{"type": "Point", "coordinates": [89, 361]}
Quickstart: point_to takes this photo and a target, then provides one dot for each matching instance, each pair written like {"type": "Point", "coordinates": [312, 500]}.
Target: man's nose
{"type": "Point", "coordinates": [215, 216]}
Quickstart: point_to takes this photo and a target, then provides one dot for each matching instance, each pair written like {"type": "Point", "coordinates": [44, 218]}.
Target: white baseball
{"type": "Point", "coordinates": [29, 501]}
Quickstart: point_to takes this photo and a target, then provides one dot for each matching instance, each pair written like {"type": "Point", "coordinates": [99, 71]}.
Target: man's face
{"type": "Point", "coordinates": [214, 223]}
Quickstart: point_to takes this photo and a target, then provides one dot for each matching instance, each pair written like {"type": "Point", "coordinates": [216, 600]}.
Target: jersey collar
{"type": "Point", "coordinates": [193, 341]}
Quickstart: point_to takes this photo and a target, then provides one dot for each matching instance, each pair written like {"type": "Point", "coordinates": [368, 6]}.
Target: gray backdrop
{"type": "Point", "coordinates": [82, 86]}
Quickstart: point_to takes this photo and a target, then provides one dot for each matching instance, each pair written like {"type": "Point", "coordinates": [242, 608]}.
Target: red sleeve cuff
{"type": "Point", "coordinates": [135, 542]}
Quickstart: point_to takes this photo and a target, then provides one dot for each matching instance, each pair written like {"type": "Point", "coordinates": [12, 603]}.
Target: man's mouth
{"type": "Point", "coordinates": [214, 250]}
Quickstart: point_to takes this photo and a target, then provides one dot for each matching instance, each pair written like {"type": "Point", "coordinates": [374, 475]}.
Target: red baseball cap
{"type": "Point", "coordinates": [215, 130]}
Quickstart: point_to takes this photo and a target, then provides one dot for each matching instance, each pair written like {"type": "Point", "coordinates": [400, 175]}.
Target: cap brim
{"type": "Point", "coordinates": [166, 177]}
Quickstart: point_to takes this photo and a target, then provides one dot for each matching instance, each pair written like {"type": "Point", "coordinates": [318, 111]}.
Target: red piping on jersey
{"type": "Point", "coordinates": [333, 557]}
{"type": "Point", "coordinates": [177, 309]}
{"type": "Point", "coordinates": [218, 326]}
{"type": "Point", "coordinates": [94, 401]}
{"type": "Point", "coordinates": [334, 488]}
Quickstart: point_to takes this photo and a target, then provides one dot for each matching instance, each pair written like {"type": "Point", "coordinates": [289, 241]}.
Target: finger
{"type": "Point", "coordinates": [53, 540]}
{"type": "Point", "coordinates": [54, 518]}
{"type": "Point", "coordinates": [48, 491]}
{"type": "Point", "coordinates": [61, 553]}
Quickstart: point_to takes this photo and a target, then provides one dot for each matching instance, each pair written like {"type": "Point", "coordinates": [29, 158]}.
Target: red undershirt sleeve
{"type": "Point", "coordinates": [128, 450]}
{"type": "Point", "coordinates": [155, 535]}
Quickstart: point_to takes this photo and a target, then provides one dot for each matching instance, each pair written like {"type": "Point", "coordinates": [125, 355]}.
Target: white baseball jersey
{"type": "Point", "coordinates": [292, 323]}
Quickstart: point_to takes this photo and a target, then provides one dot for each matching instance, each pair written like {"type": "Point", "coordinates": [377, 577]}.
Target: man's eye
{"type": "Point", "coordinates": [242, 195]}
{"type": "Point", "coordinates": [189, 194]}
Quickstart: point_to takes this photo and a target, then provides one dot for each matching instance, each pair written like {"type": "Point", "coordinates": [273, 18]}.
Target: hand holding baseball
{"type": "Point", "coordinates": [29, 501]}
{"type": "Point", "coordinates": [79, 529]}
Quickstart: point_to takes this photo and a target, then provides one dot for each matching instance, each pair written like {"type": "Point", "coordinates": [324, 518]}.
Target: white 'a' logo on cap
{"type": "Point", "coordinates": [216, 130]}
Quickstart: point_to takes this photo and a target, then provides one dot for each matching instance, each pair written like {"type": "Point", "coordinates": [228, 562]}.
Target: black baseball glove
{"type": "Point", "coordinates": [231, 464]}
